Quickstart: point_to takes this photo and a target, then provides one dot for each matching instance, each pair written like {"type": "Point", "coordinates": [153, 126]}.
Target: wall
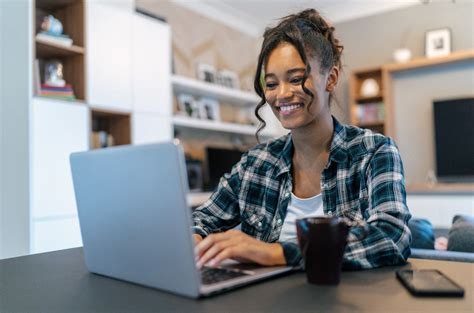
{"type": "Point", "coordinates": [15, 93]}
{"type": "Point", "coordinates": [370, 41]}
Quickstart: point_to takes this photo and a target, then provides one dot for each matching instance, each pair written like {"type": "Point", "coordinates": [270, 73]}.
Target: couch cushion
{"type": "Point", "coordinates": [461, 235]}
{"type": "Point", "coordinates": [421, 233]}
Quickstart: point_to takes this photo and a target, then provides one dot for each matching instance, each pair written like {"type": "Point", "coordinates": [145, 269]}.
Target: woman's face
{"type": "Point", "coordinates": [283, 91]}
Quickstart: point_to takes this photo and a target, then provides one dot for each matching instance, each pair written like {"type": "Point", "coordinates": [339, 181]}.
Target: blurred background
{"type": "Point", "coordinates": [88, 74]}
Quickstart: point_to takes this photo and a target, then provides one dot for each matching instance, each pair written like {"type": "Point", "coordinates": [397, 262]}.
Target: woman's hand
{"type": "Point", "coordinates": [236, 245]}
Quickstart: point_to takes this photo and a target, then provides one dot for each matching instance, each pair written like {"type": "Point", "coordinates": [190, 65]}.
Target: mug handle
{"type": "Point", "coordinates": [358, 224]}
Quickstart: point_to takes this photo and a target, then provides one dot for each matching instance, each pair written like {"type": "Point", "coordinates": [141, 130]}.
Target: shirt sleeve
{"type": "Point", "coordinates": [388, 239]}
{"type": "Point", "coordinates": [221, 212]}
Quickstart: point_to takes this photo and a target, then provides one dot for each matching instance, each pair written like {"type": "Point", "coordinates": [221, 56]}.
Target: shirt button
{"type": "Point", "coordinates": [330, 213]}
{"type": "Point", "coordinates": [279, 221]}
{"type": "Point", "coordinates": [287, 195]}
{"type": "Point", "coordinates": [259, 224]}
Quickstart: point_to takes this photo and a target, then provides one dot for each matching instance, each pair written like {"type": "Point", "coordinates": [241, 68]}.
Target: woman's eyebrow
{"type": "Point", "coordinates": [290, 71]}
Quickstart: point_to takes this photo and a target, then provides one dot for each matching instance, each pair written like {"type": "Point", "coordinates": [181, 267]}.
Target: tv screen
{"type": "Point", "coordinates": [219, 162]}
{"type": "Point", "coordinates": [454, 139]}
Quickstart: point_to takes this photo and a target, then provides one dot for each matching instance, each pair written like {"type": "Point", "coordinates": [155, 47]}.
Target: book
{"type": "Point", "coordinates": [63, 40]}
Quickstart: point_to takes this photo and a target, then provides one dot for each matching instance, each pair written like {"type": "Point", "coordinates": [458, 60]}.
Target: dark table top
{"type": "Point", "coordinates": [59, 282]}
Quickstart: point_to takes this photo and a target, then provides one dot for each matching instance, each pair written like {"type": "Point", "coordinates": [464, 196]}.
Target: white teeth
{"type": "Point", "coordinates": [287, 108]}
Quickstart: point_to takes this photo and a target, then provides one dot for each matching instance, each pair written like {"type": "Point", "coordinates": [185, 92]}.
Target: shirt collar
{"type": "Point", "coordinates": [337, 153]}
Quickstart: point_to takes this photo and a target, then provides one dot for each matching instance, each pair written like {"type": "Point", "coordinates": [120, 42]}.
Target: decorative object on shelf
{"type": "Point", "coordinates": [60, 93]}
{"type": "Point", "coordinates": [437, 42]}
{"type": "Point", "coordinates": [402, 55]}
{"type": "Point", "coordinates": [52, 31]}
{"type": "Point", "coordinates": [187, 105]}
{"type": "Point", "coordinates": [101, 139]}
{"type": "Point", "coordinates": [53, 73]}
{"type": "Point", "coordinates": [206, 73]}
{"type": "Point", "coordinates": [52, 25]}
{"type": "Point", "coordinates": [195, 175]}
{"type": "Point", "coordinates": [370, 112]}
{"type": "Point", "coordinates": [228, 78]}
{"type": "Point", "coordinates": [209, 109]}
{"type": "Point", "coordinates": [369, 88]}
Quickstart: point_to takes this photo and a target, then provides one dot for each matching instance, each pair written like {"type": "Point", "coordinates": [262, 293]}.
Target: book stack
{"type": "Point", "coordinates": [370, 112]}
{"type": "Point", "coordinates": [61, 93]}
{"type": "Point", "coordinates": [61, 39]}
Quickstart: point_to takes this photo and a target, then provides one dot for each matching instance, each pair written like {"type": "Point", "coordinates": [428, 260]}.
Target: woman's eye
{"type": "Point", "coordinates": [270, 85]}
{"type": "Point", "coordinates": [296, 80]}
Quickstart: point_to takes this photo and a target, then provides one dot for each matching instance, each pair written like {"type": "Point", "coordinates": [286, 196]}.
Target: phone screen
{"type": "Point", "coordinates": [429, 281]}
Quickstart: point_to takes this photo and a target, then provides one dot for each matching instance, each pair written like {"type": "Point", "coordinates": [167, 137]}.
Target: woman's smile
{"type": "Point", "coordinates": [288, 109]}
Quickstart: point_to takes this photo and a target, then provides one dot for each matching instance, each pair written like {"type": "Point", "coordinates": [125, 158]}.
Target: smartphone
{"type": "Point", "coordinates": [429, 283]}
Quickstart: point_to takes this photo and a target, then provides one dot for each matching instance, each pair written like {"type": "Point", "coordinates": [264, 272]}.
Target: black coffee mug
{"type": "Point", "coordinates": [322, 241]}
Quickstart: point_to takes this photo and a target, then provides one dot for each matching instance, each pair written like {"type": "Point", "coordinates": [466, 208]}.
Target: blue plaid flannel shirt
{"type": "Point", "coordinates": [363, 181]}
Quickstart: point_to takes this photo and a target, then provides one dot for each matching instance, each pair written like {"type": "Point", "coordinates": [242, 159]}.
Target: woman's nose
{"type": "Point", "coordinates": [284, 91]}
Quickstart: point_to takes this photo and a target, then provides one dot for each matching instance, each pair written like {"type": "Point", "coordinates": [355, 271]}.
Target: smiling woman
{"type": "Point", "coordinates": [320, 167]}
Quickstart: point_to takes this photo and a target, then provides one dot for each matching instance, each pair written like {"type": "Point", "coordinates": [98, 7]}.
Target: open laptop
{"type": "Point", "coordinates": [136, 223]}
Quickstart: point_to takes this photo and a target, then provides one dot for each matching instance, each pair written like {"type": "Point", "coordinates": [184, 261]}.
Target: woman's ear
{"type": "Point", "coordinates": [332, 79]}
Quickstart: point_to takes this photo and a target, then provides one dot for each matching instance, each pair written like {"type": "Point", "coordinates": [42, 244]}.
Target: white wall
{"type": "Point", "coordinates": [15, 73]}
{"type": "Point", "coordinates": [440, 209]}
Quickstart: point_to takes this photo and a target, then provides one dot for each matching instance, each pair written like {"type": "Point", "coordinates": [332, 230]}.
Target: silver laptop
{"type": "Point", "coordinates": [136, 223]}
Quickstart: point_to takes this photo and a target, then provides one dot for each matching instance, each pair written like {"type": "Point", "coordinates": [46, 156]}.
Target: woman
{"type": "Point", "coordinates": [321, 166]}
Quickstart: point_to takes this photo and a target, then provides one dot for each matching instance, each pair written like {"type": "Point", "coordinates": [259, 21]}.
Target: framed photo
{"type": "Point", "coordinates": [188, 105]}
{"type": "Point", "coordinates": [206, 73]}
{"type": "Point", "coordinates": [209, 109]}
{"type": "Point", "coordinates": [437, 42]}
{"type": "Point", "coordinates": [228, 79]}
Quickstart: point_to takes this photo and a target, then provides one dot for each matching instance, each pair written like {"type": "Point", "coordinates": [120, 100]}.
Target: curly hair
{"type": "Point", "coordinates": [312, 36]}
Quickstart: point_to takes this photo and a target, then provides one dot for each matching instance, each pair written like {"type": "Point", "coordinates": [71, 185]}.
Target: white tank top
{"type": "Point", "coordinates": [299, 208]}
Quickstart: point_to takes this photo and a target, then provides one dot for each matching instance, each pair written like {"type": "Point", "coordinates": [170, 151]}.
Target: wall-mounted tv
{"type": "Point", "coordinates": [454, 139]}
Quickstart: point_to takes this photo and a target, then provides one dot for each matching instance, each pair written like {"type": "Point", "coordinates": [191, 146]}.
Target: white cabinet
{"type": "Point", "coordinates": [58, 129]}
{"type": "Point", "coordinates": [109, 50]}
{"type": "Point", "coordinates": [147, 128]}
{"type": "Point", "coordinates": [151, 65]}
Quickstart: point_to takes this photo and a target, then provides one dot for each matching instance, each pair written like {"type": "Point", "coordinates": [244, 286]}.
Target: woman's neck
{"type": "Point", "coordinates": [314, 139]}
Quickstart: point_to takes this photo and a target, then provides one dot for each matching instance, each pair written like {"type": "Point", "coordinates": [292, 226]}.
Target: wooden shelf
{"type": "Point", "coordinates": [48, 50]}
{"type": "Point", "coordinates": [185, 85]}
{"type": "Point", "coordinates": [457, 56]}
{"type": "Point", "coordinates": [189, 122]}
{"type": "Point", "coordinates": [454, 188]}
{"type": "Point", "coordinates": [362, 100]}
{"type": "Point", "coordinates": [371, 124]}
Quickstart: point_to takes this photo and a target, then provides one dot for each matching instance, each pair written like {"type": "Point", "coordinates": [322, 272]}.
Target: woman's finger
{"type": "Point", "coordinates": [210, 253]}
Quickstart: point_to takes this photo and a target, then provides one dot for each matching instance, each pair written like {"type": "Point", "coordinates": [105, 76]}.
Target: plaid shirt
{"type": "Point", "coordinates": [363, 181]}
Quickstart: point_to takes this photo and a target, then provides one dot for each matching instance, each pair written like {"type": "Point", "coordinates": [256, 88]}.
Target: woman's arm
{"type": "Point", "coordinates": [388, 239]}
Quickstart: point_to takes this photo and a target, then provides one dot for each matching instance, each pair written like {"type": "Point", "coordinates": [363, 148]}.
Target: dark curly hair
{"type": "Point", "coordinates": [312, 36]}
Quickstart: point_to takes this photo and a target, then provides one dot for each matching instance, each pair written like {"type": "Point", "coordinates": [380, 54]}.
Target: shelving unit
{"type": "Point", "coordinates": [367, 112]}
{"type": "Point", "coordinates": [71, 15]}
{"type": "Point", "coordinates": [203, 89]}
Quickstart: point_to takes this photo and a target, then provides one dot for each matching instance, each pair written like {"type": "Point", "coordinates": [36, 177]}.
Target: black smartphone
{"type": "Point", "coordinates": [429, 283]}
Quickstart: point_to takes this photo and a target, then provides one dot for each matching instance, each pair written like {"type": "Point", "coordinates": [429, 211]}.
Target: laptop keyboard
{"type": "Point", "coordinates": [211, 275]}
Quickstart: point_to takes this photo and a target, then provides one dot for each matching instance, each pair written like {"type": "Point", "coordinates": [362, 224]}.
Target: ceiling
{"type": "Point", "coordinates": [252, 16]}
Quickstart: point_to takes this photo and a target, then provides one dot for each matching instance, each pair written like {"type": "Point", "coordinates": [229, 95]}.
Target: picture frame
{"type": "Point", "coordinates": [209, 109]}
{"type": "Point", "coordinates": [188, 106]}
{"type": "Point", "coordinates": [228, 79]}
{"type": "Point", "coordinates": [438, 42]}
{"type": "Point", "coordinates": [206, 73]}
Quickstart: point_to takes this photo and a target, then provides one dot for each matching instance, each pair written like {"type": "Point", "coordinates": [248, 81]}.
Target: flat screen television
{"type": "Point", "coordinates": [219, 162]}
{"type": "Point", "coordinates": [454, 139]}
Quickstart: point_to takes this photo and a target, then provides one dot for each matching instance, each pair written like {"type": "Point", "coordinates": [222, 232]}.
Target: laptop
{"type": "Point", "coordinates": [136, 224]}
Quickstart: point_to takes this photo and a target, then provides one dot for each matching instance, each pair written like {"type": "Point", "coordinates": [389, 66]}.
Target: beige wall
{"type": "Point", "coordinates": [198, 39]}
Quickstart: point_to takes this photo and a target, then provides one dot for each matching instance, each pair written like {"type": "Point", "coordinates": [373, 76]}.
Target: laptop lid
{"type": "Point", "coordinates": [153, 247]}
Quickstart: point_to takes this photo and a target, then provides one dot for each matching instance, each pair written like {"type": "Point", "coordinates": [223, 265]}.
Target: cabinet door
{"type": "Point", "coordinates": [109, 42]}
{"type": "Point", "coordinates": [58, 129]}
{"type": "Point", "coordinates": [151, 65]}
{"type": "Point", "coordinates": [149, 128]}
